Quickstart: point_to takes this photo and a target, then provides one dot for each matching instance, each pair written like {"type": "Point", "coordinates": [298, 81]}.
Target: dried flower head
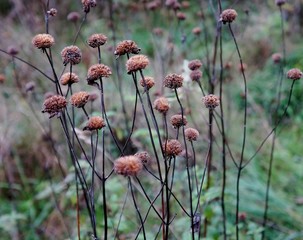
{"type": "Point", "coordinates": [2, 78]}
{"type": "Point", "coordinates": [126, 47]}
{"type": "Point", "coordinates": [128, 165]}
{"type": "Point", "coordinates": [280, 2]}
{"type": "Point", "coordinates": [93, 97]}
{"type": "Point", "coordinates": [73, 16]}
{"type": "Point", "coordinates": [177, 121]}
{"type": "Point", "coordinates": [30, 86]}
{"type": "Point", "coordinates": [228, 16]}
{"type": "Point", "coordinates": [87, 4]}
{"type": "Point", "coordinates": [294, 74]}
{"type": "Point", "coordinates": [97, 71]}
{"type": "Point", "coordinates": [191, 134]}
{"type": "Point", "coordinates": [136, 63]}
{"type": "Point", "coordinates": [42, 41]}
{"type": "Point", "coordinates": [211, 101]}
{"type": "Point", "coordinates": [149, 81]}
{"type": "Point", "coordinates": [181, 16]}
{"type": "Point", "coordinates": [158, 32]}
{"type": "Point", "coordinates": [185, 4]}
{"type": "Point", "coordinates": [173, 81]}
{"type": "Point", "coordinates": [52, 12]}
{"type": "Point", "coordinates": [153, 5]}
{"type": "Point", "coordinates": [94, 123]}
{"type": "Point", "coordinates": [195, 75]}
{"type": "Point", "coordinates": [197, 31]}
{"type": "Point", "coordinates": [79, 99]}
{"type": "Point", "coordinates": [172, 148]}
{"type": "Point", "coordinates": [194, 64]}
{"type": "Point", "coordinates": [96, 40]}
{"type": "Point", "coordinates": [12, 50]}
{"type": "Point", "coordinates": [69, 78]}
{"type": "Point", "coordinates": [144, 157]}
{"type": "Point", "coordinates": [161, 105]}
{"type": "Point", "coordinates": [54, 105]}
{"type": "Point", "coordinates": [276, 57]}
{"type": "Point", "coordinates": [71, 54]}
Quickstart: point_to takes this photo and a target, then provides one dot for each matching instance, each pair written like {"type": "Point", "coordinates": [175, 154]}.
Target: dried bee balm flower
{"type": "Point", "coordinates": [294, 74]}
{"type": "Point", "coordinates": [95, 123]}
{"type": "Point", "coordinates": [136, 63]}
{"type": "Point", "coordinates": [191, 134]}
{"type": "Point", "coordinates": [173, 81]}
{"type": "Point", "coordinates": [54, 105]}
{"type": "Point", "coordinates": [73, 16]}
{"type": "Point", "coordinates": [161, 105]}
{"type": "Point", "coordinates": [228, 16]}
{"type": "Point", "coordinates": [87, 4]}
{"type": "Point", "coordinates": [172, 148]}
{"type": "Point", "coordinates": [128, 165]}
{"type": "Point", "coordinates": [71, 54]}
{"type": "Point", "coordinates": [149, 81]}
{"type": "Point", "coordinates": [195, 75]}
{"type": "Point", "coordinates": [276, 57]}
{"type": "Point", "coordinates": [42, 41]}
{"type": "Point", "coordinates": [97, 71]}
{"type": "Point", "coordinates": [211, 101]}
{"type": "Point", "coordinates": [194, 64]}
{"type": "Point", "coordinates": [79, 99]}
{"type": "Point", "coordinates": [96, 40]}
{"type": "Point", "coordinates": [69, 78]}
{"type": "Point", "coordinates": [197, 31]}
{"type": "Point", "coordinates": [177, 121]}
{"type": "Point", "coordinates": [144, 157]}
{"type": "Point", "coordinates": [126, 47]}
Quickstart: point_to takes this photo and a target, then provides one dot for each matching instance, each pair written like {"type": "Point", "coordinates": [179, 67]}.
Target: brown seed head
{"type": "Point", "coordinates": [69, 78]}
{"type": "Point", "coordinates": [153, 5]}
{"type": "Point", "coordinates": [52, 12]}
{"type": "Point", "coordinates": [73, 16]}
{"type": "Point", "coordinates": [87, 4]}
{"type": "Point", "coordinates": [137, 62]}
{"type": "Point", "coordinates": [228, 16]}
{"type": "Point", "coordinates": [191, 134]}
{"type": "Point", "coordinates": [177, 121]}
{"type": "Point", "coordinates": [93, 97]}
{"type": "Point", "coordinates": [79, 99]}
{"type": "Point", "coordinates": [280, 2]}
{"type": "Point", "coordinates": [42, 41]}
{"type": "Point", "coordinates": [149, 81]}
{"type": "Point", "coordinates": [126, 46]}
{"type": "Point", "coordinates": [97, 71]}
{"type": "Point", "coordinates": [96, 40]}
{"type": "Point", "coordinates": [128, 165]}
{"type": "Point", "coordinates": [12, 50]}
{"type": "Point", "coordinates": [144, 157]}
{"type": "Point", "coordinates": [185, 4]}
{"type": "Point", "coordinates": [161, 105]}
{"type": "Point", "coordinates": [211, 101]}
{"type": "Point", "coordinates": [71, 54]}
{"type": "Point", "coordinates": [54, 105]}
{"type": "Point", "coordinates": [194, 64]}
{"type": "Point", "coordinates": [158, 32]}
{"type": "Point", "coordinates": [197, 31]}
{"type": "Point", "coordinates": [173, 81]}
{"type": "Point", "coordinates": [172, 148]}
{"type": "Point", "coordinates": [94, 123]}
{"type": "Point", "coordinates": [181, 16]}
{"type": "Point", "coordinates": [294, 74]}
{"type": "Point", "coordinates": [2, 78]}
{"type": "Point", "coordinates": [276, 57]}
{"type": "Point", "coordinates": [195, 75]}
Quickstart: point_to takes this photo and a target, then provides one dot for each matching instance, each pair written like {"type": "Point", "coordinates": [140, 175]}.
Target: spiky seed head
{"type": "Point", "coordinates": [128, 165]}
{"type": "Point", "coordinates": [173, 81]}
{"type": "Point", "coordinates": [126, 47]}
{"type": "Point", "coordinates": [95, 123]}
{"type": "Point", "coordinates": [96, 40]}
{"type": "Point", "coordinates": [149, 81]}
{"type": "Point", "coordinates": [144, 157]}
{"type": "Point", "coordinates": [79, 99]}
{"type": "Point", "coordinates": [294, 74]}
{"type": "Point", "coordinates": [69, 78]}
{"type": "Point", "coordinates": [54, 105]}
{"type": "Point", "coordinates": [161, 105]}
{"type": "Point", "coordinates": [228, 16]}
{"type": "Point", "coordinates": [97, 71]}
{"type": "Point", "coordinates": [172, 148]}
{"type": "Point", "coordinates": [87, 4]}
{"type": "Point", "coordinates": [137, 62]}
{"type": "Point", "coordinates": [276, 57]}
{"type": "Point", "coordinates": [194, 64]}
{"type": "Point", "coordinates": [211, 101]}
{"type": "Point", "coordinates": [71, 54]}
{"type": "Point", "coordinates": [195, 75]}
{"type": "Point", "coordinates": [177, 121]}
{"type": "Point", "coordinates": [191, 134]}
{"type": "Point", "coordinates": [42, 41]}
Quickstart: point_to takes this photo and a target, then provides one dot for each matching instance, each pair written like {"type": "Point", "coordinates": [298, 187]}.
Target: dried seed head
{"type": "Point", "coordinates": [294, 74]}
{"type": "Point", "coordinates": [128, 165]}
{"type": "Point", "coordinates": [177, 121]}
{"type": "Point", "coordinates": [69, 78]}
{"type": "Point", "coordinates": [94, 123]}
{"type": "Point", "coordinates": [71, 54]}
{"type": "Point", "coordinates": [87, 4]}
{"type": "Point", "coordinates": [126, 46]}
{"type": "Point", "coordinates": [97, 71]}
{"type": "Point", "coordinates": [197, 31]}
{"type": "Point", "coordinates": [174, 4]}
{"type": "Point", "coordinates": [161, 105]}
{"type": "Point", "coordinates": [191, 134]}
{"type": "Point", "coordinates": [144, 157]}
{"type": "Point", "coordinates": [136, 63]}
{"type": "Point", "coordinates": [172, 148]}
{"type": "Point", "coordinates": [185, 4]}
{"type": "Point", "coordinates": [158, 32]}
{"type": "Point", "coordinates": [96, 40]}
{"type": "Point", "coordinates": [2, 78]}
{"type": "Point", "coordinates": [173, 81]}
{"type": "Point", "coordinates": [153, 5]}
{"type": "Point", "coordinates": [181, 16]}
{"type": "Point", "coordinates": [42, 41]}
{"type": "Point", "coordinates": [195, 75]}
{"type": "Point", "coordinates": [79, 99]}
{"type": "Point", "coordinates": [73, 16]}
{"type": "Point", "coordinates": [194, 64]}
{"type": "Point", "coordinates": [149, 81]}
{"type": "Point", "coordinates": [280, 2]}
{"type": "Point", "coordinates": [242, 216]}
{"type": "Point", "coordinates": [228, 16]}
{"type": "Point", "coordinates": [12, 50]}
{"type": "Point", "coordinates": [93, 97]}
{"type": "Point", "coordinates": [211, 101]}
{"type": "Point", "coordinates": [276, 57]}
{"type": "Point", "coordinates": [52, 12]}
{"type": "Point", "coordinates": [54, 105]}
{"type": "Point", "coordinates": [30, 86]}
